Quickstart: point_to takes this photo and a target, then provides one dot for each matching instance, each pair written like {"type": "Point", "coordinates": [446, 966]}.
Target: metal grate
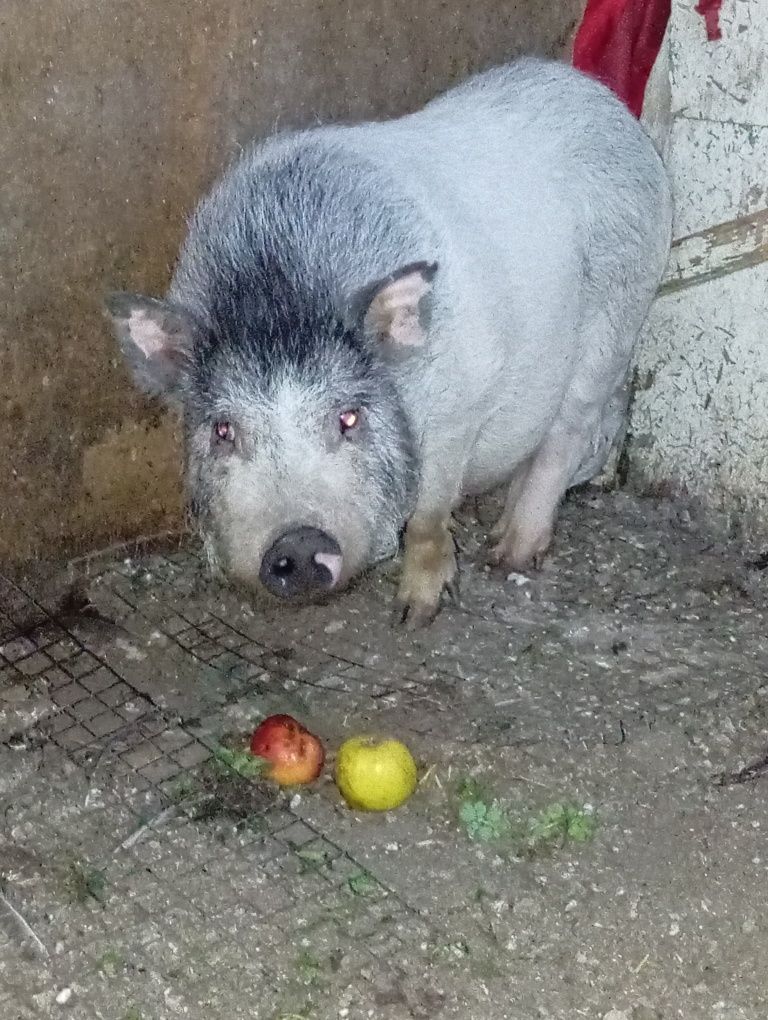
{"type": "Point", "coordinates": [160, 886]}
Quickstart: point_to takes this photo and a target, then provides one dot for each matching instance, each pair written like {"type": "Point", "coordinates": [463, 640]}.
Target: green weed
{"type": "Point", "coordinates": [362, 884]}
{"type": "Point", "coordinates": [305, 1013]}
{"type": "Point", "coordinates": [482, 818]}
{"type": "Point", "coordinates": [182, 789]}
{"type": "Point", "coordinates": [485, 819]}
{"type": "Point", "coordinates": [312, 860]}
{"type": "Point", "coordinates": [110, 963]}
{"type": "Point", "coordinates": [558, 824]}
{"type": "Point", "coordinates": [85, 883]}
{"type": "Point", "coordinates": [243, 763]}
{"type": "Point", "coordinates": [308, 966]}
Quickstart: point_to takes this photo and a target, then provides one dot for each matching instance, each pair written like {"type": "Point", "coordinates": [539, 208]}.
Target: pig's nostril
{"type": "Point", "coordinates": [331, 562]}
{"type": "Point", "coordinates": [283, 567]}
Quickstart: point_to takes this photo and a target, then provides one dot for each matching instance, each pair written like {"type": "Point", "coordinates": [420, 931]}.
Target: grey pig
{"type": "Point", "coordinates": [367, 323]}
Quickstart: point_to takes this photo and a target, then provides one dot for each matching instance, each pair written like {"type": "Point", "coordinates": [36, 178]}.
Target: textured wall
{"type": "Point", "coordinates": [700, 417]}
{"type": "Point", "coordinates": [113, 117]}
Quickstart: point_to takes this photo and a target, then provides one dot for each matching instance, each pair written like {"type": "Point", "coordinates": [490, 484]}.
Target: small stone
{"type": "Point", "coordinates": [643, 1012]}
{"type": "Point", "coordinates": [173, 1002]}
{"type": "Point", "coordinates": [64, 996]}
{"type": "Point", "coordinates": [617, 1014]}
{"type": "Point", "coordinates": [526, 907]}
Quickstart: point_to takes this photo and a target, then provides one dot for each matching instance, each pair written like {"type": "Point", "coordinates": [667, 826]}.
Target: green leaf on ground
{"type": "Point", "coordinates": [560, 823]}
{"type": "Point", "coordinates": [362, 884]}
{"type": "Point", "coordinates": [484, 821]}
{"type": "Point", "coordinates": [245, 764]}
{"type": "Point", "coordinates": [85, 883]}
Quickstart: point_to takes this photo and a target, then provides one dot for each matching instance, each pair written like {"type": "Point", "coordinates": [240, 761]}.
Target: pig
{"type": "Point", "coordinates": [369, 322]}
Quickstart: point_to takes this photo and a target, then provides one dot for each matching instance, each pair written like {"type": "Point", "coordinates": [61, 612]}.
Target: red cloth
{"type": "Point", "coordinates": [618, 42]}
{"type": "Point", "coordinates": [710, 11]}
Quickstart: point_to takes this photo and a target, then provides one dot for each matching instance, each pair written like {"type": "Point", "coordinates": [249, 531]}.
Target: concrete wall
{"type": "Point", "coordinates": [700, 417]}
{"type": "Point", "coordinates": [113, 118]}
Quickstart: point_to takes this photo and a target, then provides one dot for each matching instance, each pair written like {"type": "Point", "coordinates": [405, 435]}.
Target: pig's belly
{"type": "Point", "coordinates": [495, 456]}
{"type": "Point", "coordinates": [510, 432]}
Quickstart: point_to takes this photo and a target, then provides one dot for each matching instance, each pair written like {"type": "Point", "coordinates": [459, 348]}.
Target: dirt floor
{"type": "Point", "coordinates": [570, 851]}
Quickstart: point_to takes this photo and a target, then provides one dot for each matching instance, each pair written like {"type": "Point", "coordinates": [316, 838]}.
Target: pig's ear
{"type": "Point", "coordinates": [396, 309]}
{"type": "Point", "coordinates": [156, 339]}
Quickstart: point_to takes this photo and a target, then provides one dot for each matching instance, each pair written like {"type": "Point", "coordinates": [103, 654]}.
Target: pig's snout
{"type": "Point", "coordinates": [301, 561]}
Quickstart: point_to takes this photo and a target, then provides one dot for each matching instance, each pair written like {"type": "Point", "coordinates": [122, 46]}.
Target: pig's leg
{"type": "Point", "coordinates": [429, 568]}
{"type": "Point", "coordinates": [530, 521]}
{"type": "Point", "coordinates": [528, 529]}
{"type": "Point", "coordinates": [589, 416]}
{"type": "Point", "coordinates": [516, 485]}
{"type": "Point", "coordinates": [429, 562]}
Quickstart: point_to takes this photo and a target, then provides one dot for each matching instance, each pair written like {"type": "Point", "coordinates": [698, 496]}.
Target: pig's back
{"type": "Point", "coordinates": [530, 152]}
{"type": "Point", "coordinates": [551, 209]}
{"type": "Point", "coordinates": [527, 184]}
{"type": "Point", "coordinates": [536, 191]}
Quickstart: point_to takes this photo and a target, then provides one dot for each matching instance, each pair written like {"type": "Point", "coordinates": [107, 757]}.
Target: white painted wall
{"type": "Point", "coordinates": [700, 416]}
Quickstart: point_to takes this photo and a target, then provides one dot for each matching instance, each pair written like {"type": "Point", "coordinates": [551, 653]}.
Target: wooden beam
{"type": "Point", "coordinates": [717, 251]}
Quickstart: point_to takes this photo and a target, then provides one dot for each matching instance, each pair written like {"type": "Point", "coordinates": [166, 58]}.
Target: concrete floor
{"type": "Point", "coordinates": [601, 699]}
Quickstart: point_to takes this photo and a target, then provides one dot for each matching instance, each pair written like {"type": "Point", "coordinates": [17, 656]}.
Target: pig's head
{"type": "Point", "coordinates": [300, 462]}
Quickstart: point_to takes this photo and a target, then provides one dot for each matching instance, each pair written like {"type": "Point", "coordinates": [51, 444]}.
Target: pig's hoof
{"type": "Point", "coordinates": [499, 529]}
{"type": "Point", "coordinates": [522, 554]}
{"type": "Point", "coordinates": [453, 590]}
{"type": "Point", "coordinates": [429, 569]}
{"type": "Point", "coordinates": [417, 605]}
{"type": "Point", "coordinates": [538, 559]}
{"type": "Point", "coordinates": [414, 615]}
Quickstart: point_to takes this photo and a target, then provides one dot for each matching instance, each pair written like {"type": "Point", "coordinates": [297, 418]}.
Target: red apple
{"type": "Point", "coordinates": [296, 755]}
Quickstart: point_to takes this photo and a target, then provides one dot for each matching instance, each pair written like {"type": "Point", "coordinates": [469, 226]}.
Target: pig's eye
{"type": "Point", "coordinates": [223, 433]}
{"type": "Point", "coordinates": [348, 421]}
